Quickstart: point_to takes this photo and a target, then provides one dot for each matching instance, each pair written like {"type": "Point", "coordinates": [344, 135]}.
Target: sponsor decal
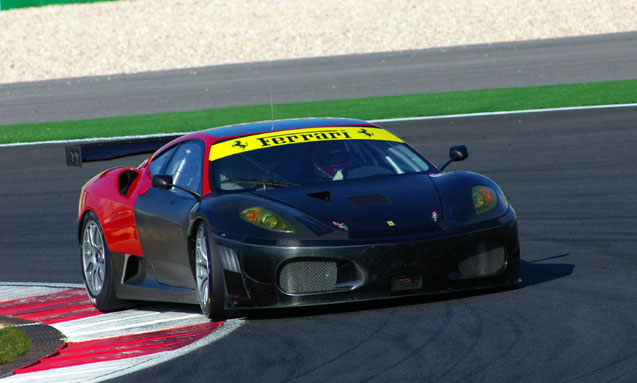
{"type": "Point", "coordinates": [341, 225]}
{"type": "Point", "coordinates": [297, 136]}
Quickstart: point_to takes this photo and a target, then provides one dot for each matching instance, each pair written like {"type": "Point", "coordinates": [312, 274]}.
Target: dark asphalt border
{"type": "Point", "coordinates": [45, 341]}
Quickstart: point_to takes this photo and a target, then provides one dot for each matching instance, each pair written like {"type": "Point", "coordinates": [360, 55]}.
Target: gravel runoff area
{"type": "Point", "coordinates": [131, 36]}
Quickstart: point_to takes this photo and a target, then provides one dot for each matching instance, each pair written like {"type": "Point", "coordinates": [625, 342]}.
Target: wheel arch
{"type": "Point", "coordinates": [80, 223]}
{"type": "Point", "coordinates": [192, 234]}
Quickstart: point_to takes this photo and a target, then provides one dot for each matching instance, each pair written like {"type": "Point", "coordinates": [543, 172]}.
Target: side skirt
{"type": "Point", "coordinates": [135, 280]}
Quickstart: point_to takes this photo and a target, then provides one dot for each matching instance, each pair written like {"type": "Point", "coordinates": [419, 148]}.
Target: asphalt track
{"type": "Point", "coordinates": [503, 65]}
{"type": "Point", "coordinates": [570, 176]}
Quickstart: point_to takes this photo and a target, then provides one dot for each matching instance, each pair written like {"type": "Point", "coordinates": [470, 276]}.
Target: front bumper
{"type": "Point", "coordinates": [279, 276]}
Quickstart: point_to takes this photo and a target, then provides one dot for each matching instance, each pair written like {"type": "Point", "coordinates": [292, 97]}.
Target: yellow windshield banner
{"type": "Point", "coordinates": [298, 136]}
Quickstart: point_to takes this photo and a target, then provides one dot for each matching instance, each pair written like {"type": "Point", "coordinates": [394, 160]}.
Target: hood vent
{"type": "Point", "coordinates": [324, 195]}
{"type": "Point", "coordinates": [368, 199]}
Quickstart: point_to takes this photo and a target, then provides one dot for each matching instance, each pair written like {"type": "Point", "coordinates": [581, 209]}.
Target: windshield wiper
{"type": "Point", "coordinates": [264, 182]}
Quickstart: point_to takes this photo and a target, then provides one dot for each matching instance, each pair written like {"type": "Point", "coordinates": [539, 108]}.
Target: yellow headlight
{"type": "Point", "coordinates": [484, 199]}
{"type": "Point", "coordinates": [267, 219]}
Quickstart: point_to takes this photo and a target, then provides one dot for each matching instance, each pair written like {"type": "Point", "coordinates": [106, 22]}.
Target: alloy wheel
{"type": "Point", "coordinates": [202, 267]}
{"type": "Point", "coordinates": [93, 258]}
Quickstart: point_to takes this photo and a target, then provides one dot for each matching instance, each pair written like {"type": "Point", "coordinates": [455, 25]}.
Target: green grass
{"type": "Point", "coordinates": [13, 343]}
{"type": "Point", "coordinates": [12, 4]}
{"type": "Point", "coordinates": [490, 100]}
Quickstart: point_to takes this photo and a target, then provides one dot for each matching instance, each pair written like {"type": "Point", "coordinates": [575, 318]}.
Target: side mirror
{"type": "Point", "coordinates": [456, 153]}
{"type": "Point", "coordinates": [162, 182]}
{"type": "Point", "coordinates": [165, 182]}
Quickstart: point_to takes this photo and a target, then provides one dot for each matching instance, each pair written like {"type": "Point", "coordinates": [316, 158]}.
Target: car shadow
{"type": "Point", "coordinates": [538, 271]}
{"type": "Point", "coordinates": [531, 273]}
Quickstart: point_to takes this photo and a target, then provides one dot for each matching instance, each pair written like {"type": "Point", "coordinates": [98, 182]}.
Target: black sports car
{"type": "Point", "coordinates": [288, 213]}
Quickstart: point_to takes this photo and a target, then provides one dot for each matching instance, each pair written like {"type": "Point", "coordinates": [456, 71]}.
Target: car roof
{"type": "Point", "coordinates": [278, 125]}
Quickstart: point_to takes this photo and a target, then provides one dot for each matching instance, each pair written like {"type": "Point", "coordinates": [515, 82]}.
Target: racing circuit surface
{"type": "Point", "coordinates": [571, 177]}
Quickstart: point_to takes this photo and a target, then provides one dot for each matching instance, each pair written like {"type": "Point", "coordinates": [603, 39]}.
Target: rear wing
{"type": "Point", "coordinates": [76, 155]}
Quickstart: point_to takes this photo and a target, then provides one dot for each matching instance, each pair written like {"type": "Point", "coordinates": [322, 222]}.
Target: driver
{"type": "Point", "coordinates": [331, 158]}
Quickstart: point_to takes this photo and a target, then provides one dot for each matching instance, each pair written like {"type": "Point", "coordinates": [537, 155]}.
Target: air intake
{"type": "Point", "coordinates": [324, 195]}
{"type": "Point", "coordinates": [302, 277]}
{"type": "Point", "coordinates": [229, 259]}
{"type": "Point", "coordinates": [318, 275]}
{"type": "Point", "coordinates": [486, 259]}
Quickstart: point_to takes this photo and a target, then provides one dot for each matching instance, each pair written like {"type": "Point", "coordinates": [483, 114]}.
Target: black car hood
{"type": "Point", "coordinates": [368, 208]}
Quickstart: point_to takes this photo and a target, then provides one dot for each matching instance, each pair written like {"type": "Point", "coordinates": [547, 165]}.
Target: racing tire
{"type": "Point", "coordinates": [211, 290]}
{"type": "Point", "coordinates": [97, 266]}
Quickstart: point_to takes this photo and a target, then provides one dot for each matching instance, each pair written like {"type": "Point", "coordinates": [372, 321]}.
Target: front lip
{"type": "Point", "coordinates": [378, 262]}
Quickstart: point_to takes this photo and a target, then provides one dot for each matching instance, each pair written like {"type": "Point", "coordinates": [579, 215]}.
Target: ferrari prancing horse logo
{"type": "Point", "coordinates": [239, 144]}
{"type": "Point", "coordinates": [391, 223]}
{"type": "Point", "coordinates": [365, 132]}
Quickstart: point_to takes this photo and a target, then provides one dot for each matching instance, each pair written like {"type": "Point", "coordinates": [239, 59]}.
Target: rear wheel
{"type": "Point", "coordinates": [97, 266]}
{"type": "Point", "coordinates": [209, 276]}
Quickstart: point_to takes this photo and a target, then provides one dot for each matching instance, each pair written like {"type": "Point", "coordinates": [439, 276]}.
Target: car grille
{"type": "Point", "coordinates": [485, 259]}
{"type": "Point", "coordinates": [310, 276]}
{"type": "Point", "coordinates": [302, 277]}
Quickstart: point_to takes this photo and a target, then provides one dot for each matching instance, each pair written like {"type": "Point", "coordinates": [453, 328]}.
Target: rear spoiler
{"type": "Point", "coordinates": [76, 155]}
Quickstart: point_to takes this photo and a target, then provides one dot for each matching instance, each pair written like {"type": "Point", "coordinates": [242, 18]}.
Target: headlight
{"type": "Point", "coordinates": [484, 199]}
{"type": "Point", "coordinates": [267, 219]}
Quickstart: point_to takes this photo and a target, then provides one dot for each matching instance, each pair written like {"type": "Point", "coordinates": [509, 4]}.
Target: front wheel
{"type": "Point", "coordinates": [209, 276]}
{"type": "Point", "coordinates": [97, 266]}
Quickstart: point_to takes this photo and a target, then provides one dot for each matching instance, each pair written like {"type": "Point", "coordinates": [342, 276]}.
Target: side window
{"type": "Point", "coordinates": [158, 163]}
{"type": "Point", "coordinates": [186, 165]}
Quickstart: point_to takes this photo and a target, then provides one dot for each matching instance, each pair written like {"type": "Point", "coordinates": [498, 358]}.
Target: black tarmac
{"type": "Point", "coordinates": [45, 341]}
{"type": "Point", "coordinates": [571, 178]}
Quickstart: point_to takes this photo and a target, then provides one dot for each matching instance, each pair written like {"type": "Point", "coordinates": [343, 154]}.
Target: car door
{"type": "Point", "coordinates": [162, 216]}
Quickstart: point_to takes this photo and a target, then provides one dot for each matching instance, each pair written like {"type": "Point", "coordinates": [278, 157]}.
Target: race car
{"type": "Point", "coordinates": [287, 213]}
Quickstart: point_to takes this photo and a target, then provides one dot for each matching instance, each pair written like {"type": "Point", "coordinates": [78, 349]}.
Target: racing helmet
{"type": "Point", "coordinates": [330, 157]}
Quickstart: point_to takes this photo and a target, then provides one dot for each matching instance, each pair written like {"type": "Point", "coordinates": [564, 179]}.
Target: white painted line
{"type": "Point", "coordinates": [88, 140]}
{"type": "Point", "coordinates": [401, 119]}
{"type": "Point", "coordinates": [504, 113]}
{"type": "Point", "coordinates": [41, 284]}
{"type": "Point", "coordinates": [18, 290]}
{"type": "Point", "coordinates": [101, 320]}
{"type": "Point", "coordinates": [9, 294]}
{"type": "Point", "coordinates": [81, 373]}
{"type": "Point", "coordinates": [125, 329]}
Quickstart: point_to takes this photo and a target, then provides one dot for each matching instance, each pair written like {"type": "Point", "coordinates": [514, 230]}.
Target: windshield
{"type": "Point", "coordinates": [314, 162]}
